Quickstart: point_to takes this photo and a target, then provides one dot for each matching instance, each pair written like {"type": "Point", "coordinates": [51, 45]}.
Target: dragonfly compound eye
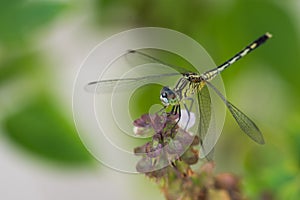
{"type": "Point", "coordinates": [167, 96]}
{"type": "Point", "coordinates": [164, 99]}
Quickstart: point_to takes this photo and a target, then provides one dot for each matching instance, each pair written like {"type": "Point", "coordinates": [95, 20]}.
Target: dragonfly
{"type": "Point", "coordinates": [194, 84]}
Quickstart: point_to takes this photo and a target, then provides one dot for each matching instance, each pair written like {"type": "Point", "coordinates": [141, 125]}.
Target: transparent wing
{"type": "Point", "coordinates": [204, 105]}
{"type": "Point", "coordinates": [154, 59]}
{"type": "Point", "coordinates": [108, 85]}
{"type": "Point", "coordinates": [244, 122]}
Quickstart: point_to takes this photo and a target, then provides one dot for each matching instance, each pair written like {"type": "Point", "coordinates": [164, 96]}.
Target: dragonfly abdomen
{"type": "Point", "coordinates": [209, 75]}
{"type": "Point", "coordinates": [245, 51]}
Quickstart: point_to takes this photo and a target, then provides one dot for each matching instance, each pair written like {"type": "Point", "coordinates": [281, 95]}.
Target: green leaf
{"type": "Point", "coordinates": [40, 128]}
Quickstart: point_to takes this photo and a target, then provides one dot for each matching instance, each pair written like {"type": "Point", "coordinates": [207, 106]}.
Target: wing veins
{"type": "Point", "coordinates": [244, 122]}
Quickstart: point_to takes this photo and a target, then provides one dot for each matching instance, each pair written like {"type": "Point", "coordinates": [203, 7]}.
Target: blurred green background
{"type": "Point", "coordinates": [42, 44]}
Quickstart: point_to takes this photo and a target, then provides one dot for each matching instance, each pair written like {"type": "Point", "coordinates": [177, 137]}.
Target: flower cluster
{"type": "Point", "coordinates": [168, 156]}
{"type": "Point", "coordinates": [169, 144]}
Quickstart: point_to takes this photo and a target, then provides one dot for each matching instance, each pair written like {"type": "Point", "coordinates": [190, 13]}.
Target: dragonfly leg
{"type": "Point", "coordinates": [163, 108]}
{"type": "Point", "coordinates": [176, 110]}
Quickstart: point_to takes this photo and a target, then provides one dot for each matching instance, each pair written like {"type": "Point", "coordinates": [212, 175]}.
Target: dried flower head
{"type": "Point", "coordinates": [168, 156]}
{"type": "Point", "coordinates": [169, 143]}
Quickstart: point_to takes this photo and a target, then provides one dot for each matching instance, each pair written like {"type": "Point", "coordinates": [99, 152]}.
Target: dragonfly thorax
{"type": "Point", "coordinates": [188, 85]}
{"type": "Point", "coordinates": [192, 77]}
{"type": "Point", "coordinates": [168, 97]}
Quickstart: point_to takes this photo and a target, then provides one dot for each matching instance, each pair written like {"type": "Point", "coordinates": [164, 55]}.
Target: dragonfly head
{"type": "Point", "coordinates": [168, 97]}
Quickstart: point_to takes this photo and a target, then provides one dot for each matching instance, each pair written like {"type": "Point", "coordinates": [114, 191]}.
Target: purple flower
{"type": "Point", "coordinates": [169, 143]}
{"type": "Point", "coordinates": [149, 124]}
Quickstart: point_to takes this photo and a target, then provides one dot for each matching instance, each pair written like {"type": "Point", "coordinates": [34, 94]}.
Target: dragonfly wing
{"type": "Point", "coordinates": [244, 122]}
{"type": "Point", "coordinates": [125, 83]}
{"type": "Point", "coordinates": [154, 59]}
{"type": "Point", "coordinates": [204, 103]}
{"type": "Point", "coordinates": [205, 112]}
{"type": "Point", "coordinates": [108, 85]}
